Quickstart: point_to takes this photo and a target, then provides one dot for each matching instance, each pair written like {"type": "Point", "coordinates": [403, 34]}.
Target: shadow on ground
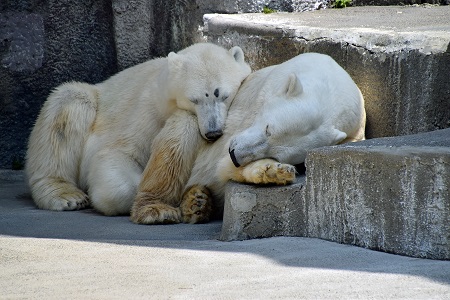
{"type": "Point", "coordinates": [20, 218]}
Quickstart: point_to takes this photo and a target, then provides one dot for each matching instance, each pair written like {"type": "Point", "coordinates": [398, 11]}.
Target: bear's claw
{"type": "Point", "coordinates": [75, 202]}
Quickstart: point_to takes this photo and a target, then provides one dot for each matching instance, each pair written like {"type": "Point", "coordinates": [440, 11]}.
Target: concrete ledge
{"type": "Point", "coordinates": [388, 194]}
{"type": "Point", "coordinates": [256, 212]}
{"type": "Point", "coordinates": [378, 35]}
{"type": "Point", "coordinates": [398, 56]}
{"type": "Point", "coordinates": [394, 200]}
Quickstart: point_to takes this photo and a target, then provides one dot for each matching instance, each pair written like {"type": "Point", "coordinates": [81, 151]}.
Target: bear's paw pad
{"type": "Point", "coordinates": [156, 213]}
{"type": "Point", "coordinates": [196, 205]}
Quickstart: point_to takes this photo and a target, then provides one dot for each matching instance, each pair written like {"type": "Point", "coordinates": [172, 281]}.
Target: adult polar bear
{"type": "Point", "coordinates": [97, 138]}
{"type": "Point", "coordinates": [279, 113]}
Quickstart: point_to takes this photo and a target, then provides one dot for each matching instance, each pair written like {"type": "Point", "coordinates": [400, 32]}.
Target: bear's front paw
{"type": "Point", "coordinates": [196, 206]}
{"type": "Point", "coordinates": [268, 171]}
{"type": "Point", "coordinates": [155, 213]}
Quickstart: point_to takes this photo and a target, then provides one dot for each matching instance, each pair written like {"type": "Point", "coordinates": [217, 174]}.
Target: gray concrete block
{"type": "Point", "coordinates": [256, 212]}
{"type": "Point", "coordinates": [398, 56]}
{"type": "Point", "coordinates": [391, 199]}
{"type": "Point", "coordinates": [388, 194]}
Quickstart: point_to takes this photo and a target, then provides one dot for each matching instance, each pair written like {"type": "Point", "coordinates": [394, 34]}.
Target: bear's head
{"type": "Point", "coordinates": [203, 79]}
{"type": "Point", "coordinates": [304, 103]}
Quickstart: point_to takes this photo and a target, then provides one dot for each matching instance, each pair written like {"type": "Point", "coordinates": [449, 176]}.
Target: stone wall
{"type": "Point", "coordinates": [44, 43]}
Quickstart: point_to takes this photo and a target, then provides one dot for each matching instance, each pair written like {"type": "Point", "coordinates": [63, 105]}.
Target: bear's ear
{"type": "Point", "coordinates": [175, 62]}
{"type": "Point", "coordinates": [293, 87]}
{"type": "Point", "coordinates": [238, 54]}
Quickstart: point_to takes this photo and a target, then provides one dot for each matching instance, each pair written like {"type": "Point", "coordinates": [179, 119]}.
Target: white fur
{"type": "Point", "coordinates": [96, 139]}
{"type": "Point", "coordinates": [281, 112]}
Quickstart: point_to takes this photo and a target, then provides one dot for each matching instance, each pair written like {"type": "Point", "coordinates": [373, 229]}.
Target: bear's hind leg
{"type": "Point", "coordinates": [56, 146]}
{"type": "Point", "coordinates": [113, 180]}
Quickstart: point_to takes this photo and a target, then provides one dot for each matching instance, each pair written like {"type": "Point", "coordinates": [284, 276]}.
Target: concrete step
{"type": "Point", "coordinates": [399, 56]}
{"type": "Point", "coordinates": [252, 211]}
{"type": "Point", "coordinates": [388, 194]}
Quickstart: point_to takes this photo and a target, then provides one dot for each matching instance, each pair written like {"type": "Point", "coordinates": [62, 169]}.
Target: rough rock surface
{"type": "Point", "coordinates": [43, 44]}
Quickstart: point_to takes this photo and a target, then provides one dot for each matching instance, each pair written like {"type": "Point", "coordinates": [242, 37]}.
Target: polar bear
{"type": "Point", "coordinates": [279, 113]}
{"type": "Point", "coordinates": [91, 143]}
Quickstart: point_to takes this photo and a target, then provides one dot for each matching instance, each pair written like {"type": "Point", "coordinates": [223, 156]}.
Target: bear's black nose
{"type": "Point", "coordinates": [213, 135]}
{"type": "Point", "coordinates": [233, 158]}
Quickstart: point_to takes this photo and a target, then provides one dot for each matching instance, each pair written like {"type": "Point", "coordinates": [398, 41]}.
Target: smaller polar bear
{"type": "Point", "coordinates": [279, 114]}
{"type": "Point", "coordinates": [91, 143]}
